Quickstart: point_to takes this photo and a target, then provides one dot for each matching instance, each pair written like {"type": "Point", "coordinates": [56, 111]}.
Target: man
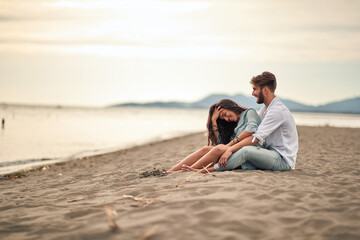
{"type": "Point", "coordinates": [276, 133]}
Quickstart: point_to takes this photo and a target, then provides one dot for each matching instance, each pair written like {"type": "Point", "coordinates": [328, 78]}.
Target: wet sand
{"type": "Point", "coordinates": [87, 198]}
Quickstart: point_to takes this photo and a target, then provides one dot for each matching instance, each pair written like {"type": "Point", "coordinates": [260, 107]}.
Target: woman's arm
{"type": "Point", "coordinates": [214, 118]}
{"type": "Point", "coordinates": [245, 138]}
{"type": "Point", "coordinates": [242, 136]}
{"type": "Point", "coordinates": [245, 142]}
{"type": "Point", "coordinates": [252, 123]}
{"type": "Point", "coordinates": [215, 129]}
{"type": "Point", "coordinates": [239, 138]}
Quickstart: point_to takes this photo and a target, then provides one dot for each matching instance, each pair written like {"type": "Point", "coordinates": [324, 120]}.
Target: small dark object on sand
{"type": "Point", "coordinates": [155, 172]}
{"type": "Point", "coordinates": [12, 176]}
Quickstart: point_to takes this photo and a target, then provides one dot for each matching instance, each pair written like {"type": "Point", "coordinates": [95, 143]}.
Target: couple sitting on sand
{"type": "Point", "coordinates": [240, 138]}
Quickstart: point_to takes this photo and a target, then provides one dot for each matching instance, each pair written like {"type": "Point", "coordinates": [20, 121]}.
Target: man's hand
{"type": "Point", "coordinates": [224, 158]}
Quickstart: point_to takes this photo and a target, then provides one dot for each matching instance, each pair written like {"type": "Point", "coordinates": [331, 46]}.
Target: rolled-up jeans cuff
{"type": "Point", "coordinates": [216, 166]}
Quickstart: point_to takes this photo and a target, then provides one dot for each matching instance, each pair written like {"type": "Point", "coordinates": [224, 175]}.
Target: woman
{"type": "Point", "coordinates": [228, 124]}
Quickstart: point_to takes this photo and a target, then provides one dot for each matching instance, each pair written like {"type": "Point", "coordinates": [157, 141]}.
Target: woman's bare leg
{"type": "Point", "coordinates": [211, 157]}
{"type": "Point", "coordinates": [189, 168]}
{"type": "Point", "coordinates": [191, 159]}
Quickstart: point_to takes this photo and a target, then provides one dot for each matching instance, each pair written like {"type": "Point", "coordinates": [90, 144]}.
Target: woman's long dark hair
{"type": "Point", "coordinates": [225, 129]}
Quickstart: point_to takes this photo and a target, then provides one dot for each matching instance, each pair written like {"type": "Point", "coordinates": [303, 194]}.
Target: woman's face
{"type": "Point", "coordinates": [228, 115]}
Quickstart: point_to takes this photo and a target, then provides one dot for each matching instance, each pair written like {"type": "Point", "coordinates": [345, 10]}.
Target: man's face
{"type": "Point", "coordinates": [258, 93]}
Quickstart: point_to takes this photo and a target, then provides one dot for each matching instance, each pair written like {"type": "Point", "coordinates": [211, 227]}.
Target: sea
{"type": "Point", "coordinates": [34, 136]}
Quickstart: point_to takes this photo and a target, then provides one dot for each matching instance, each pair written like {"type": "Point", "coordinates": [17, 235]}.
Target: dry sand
{"type": "Point", "coordinates": [72, 200]}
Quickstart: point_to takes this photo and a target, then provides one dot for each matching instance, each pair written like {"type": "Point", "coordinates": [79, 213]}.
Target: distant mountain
{"type": "Point", "coordinates": [209, 100]}
{"type": "Point", "coordinates": [249, 102]}
{"type": "Point", "coordinates": [298, 107]}
{"type": "Point", "coordinates": [346, 106]}
{"type": "Point", "coordinates": [155, 104]}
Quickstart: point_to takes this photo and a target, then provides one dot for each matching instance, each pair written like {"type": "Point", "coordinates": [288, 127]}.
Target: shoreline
{"type": "Point", "coordinates": [86, 198]}
{"type": "Point", "coordinates": [38, 165]}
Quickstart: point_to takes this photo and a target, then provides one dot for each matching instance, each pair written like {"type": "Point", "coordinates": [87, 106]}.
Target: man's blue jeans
{"type": "Point", "coordinates": [251, 158]}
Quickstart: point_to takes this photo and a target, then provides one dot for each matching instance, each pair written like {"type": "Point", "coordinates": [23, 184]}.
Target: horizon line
{"type": "Point", "coordinates": [60, 105]}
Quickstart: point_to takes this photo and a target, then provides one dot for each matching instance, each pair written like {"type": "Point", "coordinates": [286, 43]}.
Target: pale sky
{"type": "Point", "coordinates": [100, 52]}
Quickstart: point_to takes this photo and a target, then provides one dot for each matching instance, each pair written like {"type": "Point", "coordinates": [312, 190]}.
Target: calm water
{"type": "Point", "coordinates": [38, 135]}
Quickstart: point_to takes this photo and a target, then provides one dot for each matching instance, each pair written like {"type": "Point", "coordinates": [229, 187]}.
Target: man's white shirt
{"type": "Point", "coordinates": [277, 131]}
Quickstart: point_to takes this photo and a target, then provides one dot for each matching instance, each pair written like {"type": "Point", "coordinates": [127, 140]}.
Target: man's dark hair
{"type": "Point", "coordinates": [265, 79]}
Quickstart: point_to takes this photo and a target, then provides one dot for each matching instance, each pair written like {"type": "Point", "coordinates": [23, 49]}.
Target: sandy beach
{"type": "Point", "coordinates": [105, 197]}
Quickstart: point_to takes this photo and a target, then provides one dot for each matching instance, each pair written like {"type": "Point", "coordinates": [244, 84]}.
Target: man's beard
{"type": "Point", "coordinates": [260, 98]}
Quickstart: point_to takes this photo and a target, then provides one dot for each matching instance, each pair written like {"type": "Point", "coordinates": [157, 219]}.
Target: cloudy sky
{"type": "Point", "coordinates": [99, 52]}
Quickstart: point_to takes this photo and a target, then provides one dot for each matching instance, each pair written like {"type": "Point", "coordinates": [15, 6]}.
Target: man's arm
{"type": "Point", "coordinates": [271, 121]}
{"type": "Point", "coordinates": [245, 142]}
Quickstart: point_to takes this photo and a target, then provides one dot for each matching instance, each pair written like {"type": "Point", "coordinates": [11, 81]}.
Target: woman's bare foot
{"type": "Point", "coordinates": [168, 172]}
{"type": "Point", "coordinates": [187, 168]}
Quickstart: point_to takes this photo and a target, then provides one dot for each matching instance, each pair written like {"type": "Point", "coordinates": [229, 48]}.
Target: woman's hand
{"type": "Point", "coordinates": [224, 157]}
{"type": "Point", "coordinates": [216, 114]}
